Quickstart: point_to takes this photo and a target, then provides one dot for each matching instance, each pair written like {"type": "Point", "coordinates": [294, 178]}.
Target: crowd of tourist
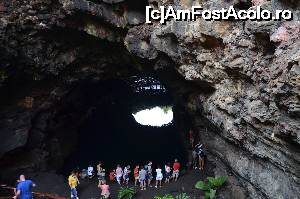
{"type": "Point", "coordinates": [142, 174]}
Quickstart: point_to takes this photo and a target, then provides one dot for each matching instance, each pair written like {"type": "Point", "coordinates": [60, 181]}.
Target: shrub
{"type": "Point", "coordinates": [169, 196]}
{"type": "Point", "coordinates": [125, 192]}
{"type": "Point", "coordinates": [210, 187]}
{"type": "Point", "coordinates": [182, 196]}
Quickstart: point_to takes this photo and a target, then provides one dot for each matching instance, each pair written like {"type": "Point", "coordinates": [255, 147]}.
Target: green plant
{"type": "Point", "coordinates": [126, 192]}
{"type": "Point", "coordinates": [210, 187]}
{"type": "Point", "coordinates": [169, 196]}
{"type": "Point", "coordinates": [182, 196]}
{"type": "Point", "coordinates": [166, 109]}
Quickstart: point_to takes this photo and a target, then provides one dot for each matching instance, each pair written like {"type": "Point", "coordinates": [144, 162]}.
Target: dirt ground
{"type": "Point", "coordinates": [57, 184]}
{"type": "Point", "coordinates": [184, 184]}
{"type": "Point", "coordinates": [88, 187]}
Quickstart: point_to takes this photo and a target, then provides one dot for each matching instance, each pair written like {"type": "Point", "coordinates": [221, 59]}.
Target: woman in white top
{"type": "Point", "coordinates": [119, 174]}
{"type": "Point", "coordinates": [159, 176]}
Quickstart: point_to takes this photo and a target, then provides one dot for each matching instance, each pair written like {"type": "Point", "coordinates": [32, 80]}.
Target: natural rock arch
{"type": "Point", "coordinates": [242, 94]}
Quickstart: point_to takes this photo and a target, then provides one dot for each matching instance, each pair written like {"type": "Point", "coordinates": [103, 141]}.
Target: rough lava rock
{"type": "Point", "coordinates": [249, 118]}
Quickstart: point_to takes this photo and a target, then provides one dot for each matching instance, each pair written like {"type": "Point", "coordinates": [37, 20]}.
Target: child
{"type": "Point", "coordinates": [159, 176]}
{"type": "Point", "coordinates": [119, 174]}
{"type": "Point", "coordinates": [104, 189]}
{"type": "Point", "coordinates": [126, 174]}
{"type": "Point", "coordinates": [168, 172]}
{"type": "Point", "coordinates": [136, 174]}
{"type": "Point", "coordinates": [176, 168]}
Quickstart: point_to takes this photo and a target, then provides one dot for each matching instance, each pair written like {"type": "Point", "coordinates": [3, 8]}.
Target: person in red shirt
{"type": "Point", "coordinates": [112, 175]}
{"type": "Point", "coordinates": [136, 174]}
{"type": "Point", "coordinates": [176, 168]}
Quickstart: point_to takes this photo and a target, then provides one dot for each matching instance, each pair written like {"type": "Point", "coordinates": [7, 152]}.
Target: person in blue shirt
{"type": "Point", "coordinates": [24, 188]}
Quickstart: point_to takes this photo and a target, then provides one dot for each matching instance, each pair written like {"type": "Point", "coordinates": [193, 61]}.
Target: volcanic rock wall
{"type": "Point", "coordinates": [254, 68]}
{"type": "Point", "coordinates": [249, 119]}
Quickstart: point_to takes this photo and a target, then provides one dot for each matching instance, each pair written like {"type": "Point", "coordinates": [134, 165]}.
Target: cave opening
{"type": "Point", "coordinates": [110, 131]}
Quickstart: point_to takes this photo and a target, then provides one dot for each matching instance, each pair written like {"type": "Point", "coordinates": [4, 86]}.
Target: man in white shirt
{"type": "Point", "coordinates": [90, 171]}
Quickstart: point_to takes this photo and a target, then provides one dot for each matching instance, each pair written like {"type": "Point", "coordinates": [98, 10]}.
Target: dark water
{"type": "Point", "coordinates": [112, 136]}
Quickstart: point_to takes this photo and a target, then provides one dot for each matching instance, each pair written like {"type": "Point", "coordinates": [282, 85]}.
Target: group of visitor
{"type": "Point", "coordinates": [198, 152]}
{"type": "Point", "coordinates": [143, 176]}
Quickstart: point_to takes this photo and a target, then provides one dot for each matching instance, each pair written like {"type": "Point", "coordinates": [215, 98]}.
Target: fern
{"type": "Point", "coordinates": [125, 192]}
{"type": "Point", "coordinates": [182, 196]}
{"type": "Point", "coordinates": [167, 196]}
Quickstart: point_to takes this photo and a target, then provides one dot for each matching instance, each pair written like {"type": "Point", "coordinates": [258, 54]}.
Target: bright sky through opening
{"type": "Point", "coordinates": [156, 116]}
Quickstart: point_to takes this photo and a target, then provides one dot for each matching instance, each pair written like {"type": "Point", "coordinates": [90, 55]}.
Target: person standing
{"type": "Point", "coordinates": [24, 188]}
{"type": "Point", "coordinates": [198, 148]}
{"type": "Point", "coordinates": [112, 175]}
{"type": "Point", "coordinates": [119, 174]}
{"type": "Point", "coordinates": [104, 189]}
{"type": "Point", "coordinates": [142, 178]}
{"type": "Point", "coordinates": [136, 174]}
{"type": "Point", "coordinates": [126, 173]}
{"type": "Point", "coordinates": [176, 168]}
{"type": "Point", "coordinates": [90, 171]}
{"type": "Point", "coordinates": [194, 159]}
{"type": "Point", "coordinates": [73, 183]}
{"type": "Point", "coordinates": [149, 173]}
{"type": "Point", "coordinates": [159, 176]}
{"type": "Point", "coordinates": [202, 158]}
{"type": "Point", "coordinates": [201, 155]}
{"type": "Point", "coordinates": [100, 172]}
{"type": "Point", "coordinates": [168, 172]}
